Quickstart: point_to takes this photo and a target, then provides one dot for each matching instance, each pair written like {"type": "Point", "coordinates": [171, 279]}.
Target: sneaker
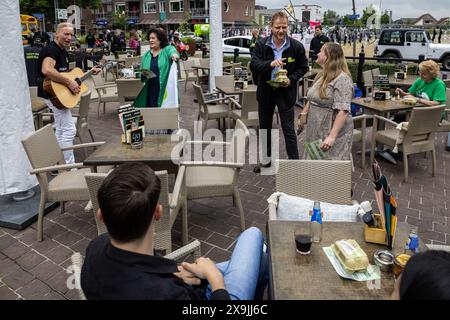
{"type": "Point", "coordinates": [54, 173]}
{"type": "Point", "coordinates": [257, 168]}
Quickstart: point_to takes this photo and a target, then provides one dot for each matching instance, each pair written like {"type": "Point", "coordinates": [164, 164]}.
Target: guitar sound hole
{"type": "Point", "coordinates": [78, 81]}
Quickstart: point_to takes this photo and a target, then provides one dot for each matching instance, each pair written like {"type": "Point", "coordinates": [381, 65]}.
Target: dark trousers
{"type": "Point", "coordinates": [266, 108]}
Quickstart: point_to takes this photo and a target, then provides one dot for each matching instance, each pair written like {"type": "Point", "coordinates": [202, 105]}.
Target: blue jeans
{"type": "Point", "coordinates": [246, 273]}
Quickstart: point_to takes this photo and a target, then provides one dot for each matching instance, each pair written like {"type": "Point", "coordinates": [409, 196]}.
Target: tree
{"type": "Point", "coordinates": [185, 26]}
{"type": "Point", "coordinates": [367, 12]}
{"type": "Point", "coordinates": [119, 21]}
{"type": "Point", "coordinates": [47, 7]}
{"type": "Point", "coordinates": [385, 18]}
{"type": "Point", "coordinates": [330, 17]}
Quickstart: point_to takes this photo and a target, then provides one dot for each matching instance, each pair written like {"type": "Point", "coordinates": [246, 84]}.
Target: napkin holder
{"type": "Point", "coordinates": [376, 234]}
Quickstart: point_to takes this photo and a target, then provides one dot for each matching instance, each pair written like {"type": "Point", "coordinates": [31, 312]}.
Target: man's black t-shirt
{"type": "Point", "coordinates": [62, 63]}
{"type": "Point", "coordinates": [317, 43]}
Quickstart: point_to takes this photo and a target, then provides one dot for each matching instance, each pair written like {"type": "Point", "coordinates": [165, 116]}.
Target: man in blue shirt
{"type": "Point", "coordinates": [270, 54]}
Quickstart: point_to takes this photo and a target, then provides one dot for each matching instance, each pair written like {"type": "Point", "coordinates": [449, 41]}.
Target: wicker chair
{"type": "Point", "coordinates": [128, 89]}
{"type": "Point", "coordinates": [321, 180]}
{"type": "Point", "coordinates": [107, 92]}
{"type": "Point", "coordinates": [444, 125]}
{"type": "Point", "coordinates": [368, 82]}
{"type": "Point", "coordinates": [210, 109]}
{"type": "Point", "coordinates": [45, 156]}
{"type": "Point", "coordinates": [206, 179]}
{"type": "Point", "coordinates": [190, 74]}
{"type": "Point", "coordinates": [419, 137]}
{"type": "Point", "coordinates": [247, 111]}
{"type": "Point", "coordinates": [82, 124]}
{"type": "Point", "coordinates": [359, 136]}
{"type": "Point", "coordinates": [172, 204]}
{"type": "Point", "coordinates": [77, 259]}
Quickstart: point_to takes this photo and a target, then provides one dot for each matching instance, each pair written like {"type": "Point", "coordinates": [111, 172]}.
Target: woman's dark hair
{"type": "Point", "coordinates": [128, 198]}
{"type": "Point", "coordinates": [162, 37]}
{"type": "Point", "coordinates": [426, 277]}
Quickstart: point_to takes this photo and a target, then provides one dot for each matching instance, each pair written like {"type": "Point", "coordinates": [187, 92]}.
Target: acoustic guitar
{"type": "Point", "coordinates": [60, 95]}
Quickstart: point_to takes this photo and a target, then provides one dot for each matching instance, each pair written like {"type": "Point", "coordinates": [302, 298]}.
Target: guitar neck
{"type": "Point", "coordinates": [86, 75]}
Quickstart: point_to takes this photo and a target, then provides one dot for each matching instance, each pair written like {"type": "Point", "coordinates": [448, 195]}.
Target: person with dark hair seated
{"type": "Point", "coordinates": [426, 277]}
{"type": "Point", "coordinates": [121, 265]}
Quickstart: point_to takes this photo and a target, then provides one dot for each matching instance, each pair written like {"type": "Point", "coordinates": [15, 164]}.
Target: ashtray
{"type": "Point", "coordinates": [384, 259]}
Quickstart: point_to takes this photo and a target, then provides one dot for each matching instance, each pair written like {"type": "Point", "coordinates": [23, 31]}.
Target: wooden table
{"type": "Point", "coordinates": [383, 108]}
{"type": "Point", "coordinates": [408, 82]}
{"type": "Point", "coordinates": [156, 152]}
{"type": "Point", "coordinates": [294, 276]}
{"type": "Point", "coordinates": [233, 91]}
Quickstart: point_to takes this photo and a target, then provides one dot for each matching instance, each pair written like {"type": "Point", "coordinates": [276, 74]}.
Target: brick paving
{"type": "Point", "coordinates": [37, 270]}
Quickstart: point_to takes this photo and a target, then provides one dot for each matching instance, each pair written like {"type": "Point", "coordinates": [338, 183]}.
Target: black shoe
{"type": "Point", "coordinates": [257, 168]}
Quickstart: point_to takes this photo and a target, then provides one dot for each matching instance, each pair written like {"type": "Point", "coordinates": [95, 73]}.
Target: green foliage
{"type": "Point", "coordinates": [385, 18]}
{"type": "Point", "coordinates": [119, 21]}
{"type": "Point", "coordinates": [187, 40]}
{"type": "Point", "coordinates": [242, 59]}
{"type": "Point", "coordinates": [329, 17]}
{"type": "Point", "coordinates": [47, 7]}
{"type": "Point", "coordinates": [185, 26]}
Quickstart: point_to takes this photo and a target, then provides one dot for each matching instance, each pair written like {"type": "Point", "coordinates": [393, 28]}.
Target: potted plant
{"type": "Point", "coordinates": [191, 43]}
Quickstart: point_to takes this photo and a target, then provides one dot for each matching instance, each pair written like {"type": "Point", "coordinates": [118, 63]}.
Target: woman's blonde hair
{"type": "Point", "coordinates": [332, 68]}
{"type": "Point", "coordinates": [431, 67]}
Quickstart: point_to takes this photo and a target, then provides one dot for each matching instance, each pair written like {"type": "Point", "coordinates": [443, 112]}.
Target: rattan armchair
{"type": "Point", "coordinates": [207, 179]}
{"type": "Point", "coordinates": [46, 156]}
{"type": "Point", "coordinates": [107, 92]}
{"type": "Point", "coordinates": [172, 204]}
{"type": "Point", "coordinates": [82, 124]}
{"type": "Point", "coordinates": [77, 259]}
{"type": "Point", "coordinates": [321, 180]}
{"type": "Point", "coordinates": [418, 138]}
{"type": "Point", "coordinates": [215, 109]}
{"type": "Point", "coordinates": [247, 111]}
{"type": "Point", "coordinates": [444, 125]}
{"type": "Point", "coordinates": [359, 135]}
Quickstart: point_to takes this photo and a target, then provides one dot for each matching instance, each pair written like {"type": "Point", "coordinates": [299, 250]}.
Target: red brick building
{"type": "Point", "coordinates": [169, 13]}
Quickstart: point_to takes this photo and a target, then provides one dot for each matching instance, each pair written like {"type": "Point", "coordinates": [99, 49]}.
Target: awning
{"type": "Point", "coordinates": [148, 21]}
{"type": "Point", "coordinates": [172, 21]}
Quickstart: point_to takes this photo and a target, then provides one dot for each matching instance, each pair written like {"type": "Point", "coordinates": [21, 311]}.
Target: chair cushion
{"type": "Point", "coordinates": [357, 135]}
{"type": "Point", "coordinates": [297, 208]}
{"type": "Point", "coordinates": [236, 114]}
{"type": "Point", "coordinates": [388, 137]}
{"type": "Point", "coordinates": [69, 185]}
{"type": "Point", "coordinates": [208, 176]}
{"type": "Point", "coordinates": [217, 111]}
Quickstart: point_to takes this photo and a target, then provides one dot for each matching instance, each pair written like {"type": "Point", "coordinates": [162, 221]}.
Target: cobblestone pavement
{"type": "Point", "coordinates": [36, 270]}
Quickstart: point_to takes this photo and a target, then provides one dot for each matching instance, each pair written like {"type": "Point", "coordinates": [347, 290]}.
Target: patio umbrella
{"type": "Point", "coordinates": [376, 177]}
{"type": "Point", "coordinates": [386, 203]}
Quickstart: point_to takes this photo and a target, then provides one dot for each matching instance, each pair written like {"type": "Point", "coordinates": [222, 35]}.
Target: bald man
{"type": "Point", "coordinates": [53, 60]}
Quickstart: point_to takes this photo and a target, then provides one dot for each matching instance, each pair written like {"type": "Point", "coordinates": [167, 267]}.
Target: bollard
{"type": "Point", "coordinates": [359, 79]}
{"type": "Point", "coordinates": [236, 55]}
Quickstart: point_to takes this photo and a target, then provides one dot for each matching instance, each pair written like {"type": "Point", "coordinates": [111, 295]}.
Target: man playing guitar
{"type": "Point", "coordinates": [52, 61]}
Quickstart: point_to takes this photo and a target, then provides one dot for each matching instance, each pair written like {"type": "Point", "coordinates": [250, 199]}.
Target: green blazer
{"type": "Point", "coordinates": [164, 64]}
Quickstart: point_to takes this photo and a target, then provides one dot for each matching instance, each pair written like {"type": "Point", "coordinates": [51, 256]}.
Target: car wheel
{"type": "Point", "coordinates": [389, 55]}
{"type": "Point", "coordinates": [446, 63]}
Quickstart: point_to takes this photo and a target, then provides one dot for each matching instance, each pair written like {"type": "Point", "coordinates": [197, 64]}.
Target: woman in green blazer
{"type": "Point", "coordinates": [158, 60]}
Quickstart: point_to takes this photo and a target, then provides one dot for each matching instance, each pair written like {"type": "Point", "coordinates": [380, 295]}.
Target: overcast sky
{"type": "Point", "coordinates": [400, 8]}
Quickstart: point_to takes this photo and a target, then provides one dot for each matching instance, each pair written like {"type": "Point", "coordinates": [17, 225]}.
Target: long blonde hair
{"type": "Point", "coordinates": [332, 68]}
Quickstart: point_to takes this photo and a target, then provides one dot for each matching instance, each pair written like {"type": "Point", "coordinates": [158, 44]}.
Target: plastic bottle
{"type": "Point", "coordinates": [316, 223]}
{"type": "Point", "coordinates": [412, 245]}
